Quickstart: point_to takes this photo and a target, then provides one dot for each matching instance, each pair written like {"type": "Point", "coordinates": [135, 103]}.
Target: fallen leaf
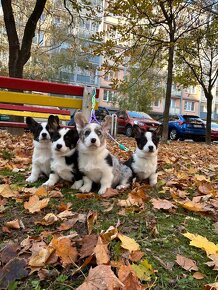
{"type": "Point", "coordinates": [186, 263]}
{"type": "Point", "coordinates": [202, 242]}
{"type": "Point", "coordinates": [198, 275]}
{"type": "Point", "coordinates": [65, 214]}
{"type": "Point", "coordinates": [128, 243]}
{"type": "Point", "coordinates": [35, 205]}
{"type": "Point", "coordinates": [64, 250]}
{"type": "Point", "coordinates": [68, 224]}
{"type": "Point", "coordinates": [41, 191]}
{"type": "Point", "coordinates": [212, 286]}
{"type": "Point", "coordinates": [206, 187]}
{"type": "Point", "coordinates": [13, 270]}
{"type": "Point", "coordinates": [91, 219]}
{"type": "Point", "coordinates": [136, 256]}
{"type": "Point", "coordinates": [101, 278]}
{"type": "Point", "coordinates": [214, 262]}
{"type": "Point", "coordinates": [48, 219]}
{"type": "Point", "coordinates": [110, 192]}
{"type": "Point", "coordinates": [128, 277]}
{"type": "Point", "coordinates": [88, 245]}
{"type": "Point", "coordinates": [162, 203]}
{"type": "Point", "coordinates": [40, 258]}
{"type": "Point", "coordinates": [8, 252]}
{"type": "Point", "coordinates": [143, 270]}
{"type": "Point", "coordinates": [6, 191]}
{"type": "Point", "coordinates": [55, 194]}
{"type": "Point", "coordinates": [15, 224]}
{"type": "Point", "coordinates": [101, 252]}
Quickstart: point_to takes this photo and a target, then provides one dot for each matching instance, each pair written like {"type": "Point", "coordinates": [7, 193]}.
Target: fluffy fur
{"type": "Point", "coordinates": [144, 160]}
{"type": "Point", "coordinates": [42, 146]}
{"type": "Point", "coordinates": [95, 161]}
{"type": "Point", "coordinates": [64, 162]}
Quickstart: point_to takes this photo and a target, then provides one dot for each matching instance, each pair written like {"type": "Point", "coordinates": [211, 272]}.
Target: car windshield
{"type": "Point", "coordinates": [214, 125]}
{"type": "Point", "coordinates": [139, 115]}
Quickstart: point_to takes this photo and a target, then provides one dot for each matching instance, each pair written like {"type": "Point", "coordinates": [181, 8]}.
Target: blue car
{"type": "Point", "coordinates": [186, 127]}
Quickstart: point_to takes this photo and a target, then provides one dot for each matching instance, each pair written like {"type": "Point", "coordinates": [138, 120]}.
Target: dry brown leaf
{"type": "Point", "coordinates": [68, 224]}
{"type": "Point", "coordinates": [41, 192]}
{"type": "Point", "coordinates": [128, 277]}
{"type": "Point", "coordinates": [101, 278]}
{"type": "Point", "coordinates": [136, 256]}
{"type": "Point", "coordinates": [86, 195]}
{"type": "Point", "coordinates": [40, 258]}
{"type": "Point", "coordinates": [159, 203]}
{"type": "Point", "coordinates": [6, 191]}
{"type": "Point", "coordinates": [110, 192]}
{"type": "Point", "coordinates": [35, 205]}
{"type": "Point", "coordinates": [212, 286]}
{"type": "Point", "coordinates": [198, 275]}
{"type": "Point", "coordinates": [49, 219]}
{"type": "Point", "coordinates": [101, 252]}
{"type": "Point", "coordinates": [186, 263]}
{"type": "Point", "coordinates": [15, 224]}
{"type": "Point", "coordinates": [88, 245]}
{"type": "Point", "coordinates": [91, 219]}
{"type": "Point", "coordinates": [65, 214]}
{"type": "Point", "coordinates": [214, 262]}
{"type": "Point", "coordinates": [55, 193]}
{"type": "Point", "coordinates": [64, 250]}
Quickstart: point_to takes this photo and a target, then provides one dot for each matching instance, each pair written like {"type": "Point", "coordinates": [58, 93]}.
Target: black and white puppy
{"type": "Point", "coordinates": [144, 160]}
{"type": "Point", "coordinates": [64, 162]}
{"type": "Point", "coordinates": [95, 161]}
{"type": "Point", "coordinates": [41, 158]}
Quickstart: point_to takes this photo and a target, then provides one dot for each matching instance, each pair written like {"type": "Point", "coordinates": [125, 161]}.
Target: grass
{"type": "Point", "coordinates": [158, 232]}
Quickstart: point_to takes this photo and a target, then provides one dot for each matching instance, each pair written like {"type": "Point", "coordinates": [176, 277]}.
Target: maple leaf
{"type": "Point", "coordinates": [128, 277]}
{"type": "Point", "coordinates": [68, 224]}
{"type": "Point", "coordinates": [128, 243]}
{"type": "Point", "coordinates": [143, 270]}
{"type": "Point", "coordinates": [212, 286]}
{"type": "Point", "coordinates": [162, 203]}
{"type": "Point", "coordinates": [6, 191]}
{"type": "Point", "coordinates": [35, 205]}
{"type": "Point", "coordinates": [101, 252]}
{"type": "Point", "coordinates": [40, 258]}
{"type": "Point", "coordinates": [15, 224]}
{"type": "Point", "coordinates": [64, 250]}
{"type": "Point", "coordinates": [41, 192]}
{"type": "Point", "coordinates": [192, 205]}
{"type": "Point", "coordinates": [64, 214]}
{"type": "Point", "coordinates": [101, 278]}
{"type": "Point", "coordinates": [201, 242]}
{"type": "Point", "coordinates": [186, 263]}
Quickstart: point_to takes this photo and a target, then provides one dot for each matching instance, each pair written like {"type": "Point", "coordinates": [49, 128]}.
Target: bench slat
{"type": "Point", "coordinates": [34, 99]}
{"type": "Point", "coordinates": [33, 109]}
{"type": "Point", "coordinates": [24, 125]}
{"type": "Point", "coordinates": [32, 114]}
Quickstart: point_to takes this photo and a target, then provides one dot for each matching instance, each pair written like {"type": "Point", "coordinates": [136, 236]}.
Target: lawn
{"type": "Point", "coordinates": [136, 239]}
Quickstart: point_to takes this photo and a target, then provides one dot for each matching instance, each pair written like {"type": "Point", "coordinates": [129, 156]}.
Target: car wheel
{"type": "Point", "coordinates": [129, 131]}
{"type": "Point", "coordinates": [173, 134]}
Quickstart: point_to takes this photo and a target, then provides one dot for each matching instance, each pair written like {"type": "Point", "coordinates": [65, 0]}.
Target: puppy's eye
{"type": "Point", "coordinates": [99, 133]}
{"type": "Point", "coordinates": [87, 133]}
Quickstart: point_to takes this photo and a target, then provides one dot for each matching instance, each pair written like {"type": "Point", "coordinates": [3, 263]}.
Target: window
{"type": "Point", "coordinates": [108, 96]}
{"type": "Point", "coordinates": [173, 103]}
{"type": "Point", "coordinates": [157, 103]}
{"type": "Point", "coordinates": [189, 106]}
{"type": "Point", "coordinates": [109, 75]}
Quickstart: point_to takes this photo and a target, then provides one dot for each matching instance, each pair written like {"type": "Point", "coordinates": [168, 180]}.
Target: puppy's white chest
{"type": "Point", "coordinates": [91, 166]}
{"type": "Point", "coordinates": [63, 170]}
{"type": "Point", "coordinates": [144, 167]}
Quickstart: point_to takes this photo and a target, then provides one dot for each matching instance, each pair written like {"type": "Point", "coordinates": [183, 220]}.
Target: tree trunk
{"type": "Point", "coordinates": [20, 54]}
{"type": "Point", "coordinates": [168, 93]}
{"type": "Point", "coordinates": [209, 98]}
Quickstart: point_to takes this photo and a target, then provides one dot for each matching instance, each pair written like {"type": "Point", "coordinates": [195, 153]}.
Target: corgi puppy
{"type": "Point", "coordinates": [41, 158]}
{"type": "Point", "coordinates": [144, 161]}
{"type": "Point", "coordinates": [95, 161]}
{"type": "Point", "coordinates": [64, 162]}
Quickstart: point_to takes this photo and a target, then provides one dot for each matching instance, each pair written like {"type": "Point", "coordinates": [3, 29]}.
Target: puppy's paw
{"type": "Point", "coordinates": [85, 188]}
{"type": "Point", "coordinates": [31, 179]}
{"type": "Point", "coordinates": [122, 186]}
{"type": "Point", "coordinates": [48, 183]}
{"type": "Point", "coordinates": [77, 184]}
{"type": "Point", "coordinates": [102, 190]}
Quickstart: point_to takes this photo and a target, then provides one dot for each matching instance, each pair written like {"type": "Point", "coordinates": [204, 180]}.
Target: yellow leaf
{"type": "Point", "coordinates": [143, 271]}
{"type": "Point", "coordinates": [203, 243]}
{"type": "Point", "coordinates": [34, 204]}
{"type": "Point", "coordinates": [6, 191]}
{"type": "Point", "coordinates": [128, 243]}
{"type": "Point", "coordinates": [193, 206]}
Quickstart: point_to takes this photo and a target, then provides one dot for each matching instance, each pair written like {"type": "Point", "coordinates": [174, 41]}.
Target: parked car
{"type": "Point", "coordinates": [126, 120]}
{"type": "Point", "coordinates": [214, 131]}
{"type": "Point", "coordinates": [100, 114]}
{"type": "Point", "coordinates": [186, 127]}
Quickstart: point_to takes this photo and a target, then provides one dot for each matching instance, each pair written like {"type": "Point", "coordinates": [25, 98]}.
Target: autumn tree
{"type": "Point", "coordinates": [142, 25]}
{"type": "Point", "coordinates": [199, 56]}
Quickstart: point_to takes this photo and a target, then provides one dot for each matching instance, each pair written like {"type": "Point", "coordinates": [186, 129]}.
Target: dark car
{"type": "Point", "coordinates": [127, 120]}
{"type": "Point", "coordinates": [100, 114]}
{"type": "Point", "coordinates": [186, 127]}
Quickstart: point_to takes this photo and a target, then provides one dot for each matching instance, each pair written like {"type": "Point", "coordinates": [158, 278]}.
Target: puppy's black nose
{"type": "Point", "coordinates": [58, 146]}
{"type": "Point", "coordinates": [93, 140]}
{"type": "Point", "coordinates": [151, 148]}
{"type": "Point", "coordinates": [44, 135]}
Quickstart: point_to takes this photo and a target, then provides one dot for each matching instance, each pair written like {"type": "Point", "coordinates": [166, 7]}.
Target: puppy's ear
{"type": "Point", "coordinates": [31, 124]}
{"type": "Point", "coordinates": [106, 125]}
{"type": "Point", "coordinates": [53, 123]}
{"type": "Point", "coordinates": [136, 132]}
{"type": "Point", "coordinates": [80, 121]}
